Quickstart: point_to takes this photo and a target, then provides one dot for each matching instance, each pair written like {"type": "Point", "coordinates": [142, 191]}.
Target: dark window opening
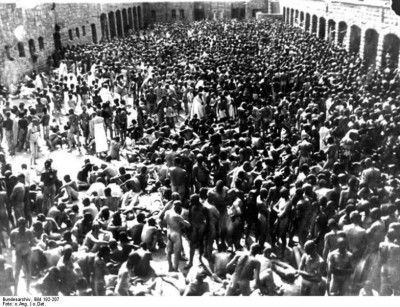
{"type": "Point", "coordinates": [77, 32]}
{"type": "Point", "coordinates": [71, 37]}
{"type": "Point", "coordinates": [32, 50]}
{"type": "Point", "coordinates": [41, 43]}
{"type": "Point", "coordinates": [21, 49]}
{"type": "Point", "coordinates": [173, 14]}
{"type": "Point", "coordinates": [182, 14]}
{"type": "Point", "coordinates": [83, 31]}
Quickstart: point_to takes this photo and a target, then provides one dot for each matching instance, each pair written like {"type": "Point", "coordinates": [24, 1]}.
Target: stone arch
{"type": "Point", "coordinates": [371, 46]}
{"type": "Point", "coordinates": [41, 43]}
{"type": "Point", "coordinates": [342, 32]}
{"type": "Point", "coordinates": [94, 33]}
{"type": "Point", "coordinates": [21, 49]}
{"type": "Point", "coordinates": [287, 15]}
{"type": "Point", "coordinates": [322, 28]}
{"type": "Point", "coordinates": [135, 19]}
{"type": "Point", "coordinates": [139, 14]}
{"type": "Point", "coordinates": [130, 18]}
{"type": "Point", "coordinates": [390, 51]}
{"type": "Point", "coordinates": [331, 30]}
{"type": "Point", "coordinates": [104, 26]}
{"type": "Point", "coordinates": [314, 24]}
{"type": "Point", "coordinates": [125, 21]}
{"type": "Point", "coordinates": [57, 37]}
{"type": "Point", "coordinates": [111, 20]}
{"type": "Point", "coordinates": [355, 39]}
{"type": "Point", "coordinates": [118, 18]}
{"type": "Point", "coordinates": [291, 17]}
{"type": "Point", "coordinates": [308, 22]}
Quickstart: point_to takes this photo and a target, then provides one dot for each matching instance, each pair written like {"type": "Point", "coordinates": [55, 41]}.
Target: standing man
{"type": "Point", "coordinates": [8, 127]}
{"type": "Point", "coordinates": [178, 178]}
{"type": "Point", "coordinates": [17, 197]}
{"type": "Point", "coordinates": [22, 239]}
{"type": "Point", "coordinates": [73, 134]}
{"type": "Point", "coordinates": [45, 122]}
{"type": "Point", "coordinates": [198, 219]}
{"type": "Point", "coordinates": [175, 223]}
{"type": "Point", "coordinates": [311, 269]}
{"type": "Point", "coordinates": [340, 268]}
{"type": "Point", "coordinates": [33, 137]}
{"type": "Point", "coordinates": [49, 179]}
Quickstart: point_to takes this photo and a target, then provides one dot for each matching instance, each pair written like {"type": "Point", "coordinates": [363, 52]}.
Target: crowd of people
{"type": "Point", "coordinates": [272, 154]}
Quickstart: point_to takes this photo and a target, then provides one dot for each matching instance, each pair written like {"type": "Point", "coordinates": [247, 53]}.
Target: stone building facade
{"type": "Point", "coordinates": [369, 28]}
{"type": "Point", "coordinates": [29, 36]}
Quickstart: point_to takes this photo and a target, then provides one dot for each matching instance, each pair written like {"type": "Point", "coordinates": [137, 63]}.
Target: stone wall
{"type": "Point", "coordinates": [369, 28]}
{"type": "Point", "coordinates": [92, 21]}
{"type": "Point", "coordinates": [19, 26]}
{"type": "Point", "coordinates": [162, 11]}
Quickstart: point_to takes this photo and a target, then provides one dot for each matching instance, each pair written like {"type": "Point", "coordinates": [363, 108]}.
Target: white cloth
{"type": "Point", "coordinates": [198, 108]}
{"type": "Point", "coordinates": [100, 138]}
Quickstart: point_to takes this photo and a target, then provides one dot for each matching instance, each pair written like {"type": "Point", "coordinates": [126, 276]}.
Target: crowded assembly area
{"type": "Point", "coordinates": [214, 157]}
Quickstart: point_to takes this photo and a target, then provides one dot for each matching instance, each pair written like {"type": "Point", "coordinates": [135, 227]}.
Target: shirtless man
{"type": "Point", "coordinates": [151, 235]}
{"type": "Point", "coordinates": [124, 275]}
{"type": "Point", "coordinates": [17, 197]}
{"type": "Point", "coordinates": [311, 269]}
{"type": "Point", "coordinates": [198, 287]}
{"type": "Point", "coordinates": [340, 268]}
{"type": "Point", "coordinates": [304, 150]}
{"type": "Point", "coordinates": [70, 271]}
{"type": "Point", "coordinates": [282, 209]}
{"type": "Point", "coordinates": [198, 219]}
{"type": "Point", "coordinates": [390, 271]}
{"type": "Point", "coordinates": [178, 177]}
{"type": "Point", "coordinates": [356, 236]}
{"type": "Point", "coordinates": [100, 270]}
{"type": "Point", "coordinates": [6, 278]}
{"type": "Point", "coordinates": [263, 217]}
{"type": "Point", "coordinates": [267, 283]}
{"type": "Point", "coordinates": [219, 198]}
{"type": "Point", "coordinates": [247, 268]}
{"type": "Point", "coordinates": [331, 153]}
{"type": "Point", "coordinates": [175, 222]}
{"type": "Point", "coordinates": [330, 240]}
{"type": "Point", "coordinates": [212, 227]}
{"type": "Point", "coordinates": [23, 240]}
{"type": "Point", "coordinates": [3, 218]}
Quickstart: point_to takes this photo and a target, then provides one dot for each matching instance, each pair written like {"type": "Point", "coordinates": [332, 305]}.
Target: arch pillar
{"type": "Point", "coordinates": [379, 51]}
{"type": "Point", "coordinates": [347, 39]}
{"type": "Point", "coordinates": [362, 42]}
{"type": "Point", "coordinates": [327, 34]}
{"type": "Point", "coordinates": [337, 33]}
